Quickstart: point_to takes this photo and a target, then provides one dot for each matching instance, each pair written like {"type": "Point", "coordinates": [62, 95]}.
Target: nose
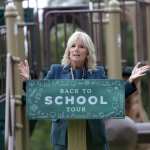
{"type": "Point", "coordinates": [76, 48]}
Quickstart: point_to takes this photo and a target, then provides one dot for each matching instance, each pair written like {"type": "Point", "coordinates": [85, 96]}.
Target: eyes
{"type": "Point", "coordinates": [79, 46]}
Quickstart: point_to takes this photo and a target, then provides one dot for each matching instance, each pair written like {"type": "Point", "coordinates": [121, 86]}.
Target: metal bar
{"type": "Point", "coordinates": [2, 98]}
{"type": "Point", "coordinates": [144, 2]}
{"type": "Point", "coordinates": [65, 31]}
{"type": "Point", "coordinates": [96, 32]}
{"type": "Point", "coordinates": [91, 24]}
{"type": "Point", "coordinates": [98, 38]}
{"type": "Point", "coordinates": [73, 22]}
{"type": "Point", "coordinates": [7, 104]}
{"type": "Point", "coordinates": [27, 24]}
{"type": "Point", "coordinates": [140, 54]}
{"type": "Point", "coordinates": [10, 104]}
{"type": "Point", "coordinates": [81, 11]}
{"type": "Point", "coordinates": [12, 116]}
{"type": "Point", "coordinates": [101, 35]}
{"type": "Point", "coordinates": [11, 142]}
{"type": "Point", "coordinates": [144, 31]}
{"type": "Point", "coordinates": [2, 58]}
{"type": "Point", "coordinates": [56, 39]}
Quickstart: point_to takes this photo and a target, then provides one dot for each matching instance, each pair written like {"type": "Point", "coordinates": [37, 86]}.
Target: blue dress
{"type": "Point", "coordinates": [96, 136]}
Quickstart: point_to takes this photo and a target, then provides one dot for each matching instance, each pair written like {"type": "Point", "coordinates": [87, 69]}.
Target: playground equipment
{"type": "Point", "coordinates": [102, 24]}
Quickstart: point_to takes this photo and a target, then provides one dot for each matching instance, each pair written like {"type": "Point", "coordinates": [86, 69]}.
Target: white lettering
{"type": "Point", "coordinates": [86, 91]}
{"type": "Point", "coordinates": [57, 100]}
{"type": "Point", "coordinates": [69, 100]}
{"type": "Point", "coordinates": [73, 91]}
{"type": "Point", "coordinates": [102, 100]}
{"type": "Point", "coordinates": [92, 100]}
{"type": "Point", "coordinates": [89, 91]}
{"type": "Point", "coordinates": [75, 109]}
{"type": "Point", "coordinates": [69, 91]}
{"type": "Point", "coordinates": [83, 109]}
{"type": "Point", "coordinates": [48, 100]}
{"type": "Point", "coordinates": [81, 100]}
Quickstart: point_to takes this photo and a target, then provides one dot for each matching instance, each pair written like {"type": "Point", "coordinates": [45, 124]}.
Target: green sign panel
{"type": "Point", "coordinates": [78, 99]}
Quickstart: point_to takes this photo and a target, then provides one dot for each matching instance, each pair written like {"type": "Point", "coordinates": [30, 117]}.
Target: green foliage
{"type": "Point", "coordinates": [58, 42]}
{"type": "Point", "coordinates": [128, 48]}
{"type": "Point", "coordinates": [129, 38]}
{"type": "Point", "coordinates": [2, 18]}
{"type": "Point", "coordinates": [40, 139]}
{"type": "Point", "coordinates": [130, 62]}
{"type": "Point", "coordinates": [28, 15]}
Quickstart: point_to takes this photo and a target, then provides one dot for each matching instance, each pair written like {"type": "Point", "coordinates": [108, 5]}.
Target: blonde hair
{"type": "Point", "coordinates": [87, 43]}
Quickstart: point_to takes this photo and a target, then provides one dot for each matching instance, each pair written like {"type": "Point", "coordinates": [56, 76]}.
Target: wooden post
{"type": "Point", "coordinates": [18, 4]}
{"type": "Point", "coordinates": [21, 54]}
{"type": "Point", "coordinates": [11, 28]}
{"type": "Point", "coordinates": [77, 135]}
{"type": "Point", "coordinates": [113, 41]}
{"type": "Point", "coordinates": [12, 47]}
{"type": "Point", "coordinates": [116, 127]}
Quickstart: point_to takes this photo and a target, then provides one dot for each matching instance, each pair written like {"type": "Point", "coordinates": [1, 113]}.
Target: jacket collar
{"type": "Point", "coordinates": [66, 69]}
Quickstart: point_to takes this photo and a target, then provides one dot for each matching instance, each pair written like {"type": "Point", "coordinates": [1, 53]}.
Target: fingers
{"type": "Point", "coordinates": [144, 69]}
{"type": "Point", "coordinates": [23, 68]}
{"type": "Point", "coordinates": [23, 77]}
{"type": "Point", "coordinates": [140, 64]}
{"type": "Point", "coordinates": [137, 65]}
{"type": "Point", "coordinates": [140, 69]}
{"type": "Point", "coordinates": [141, 75]}
{"type": "Point", "coordinates": [23, 63]}
{"type": "Point", "coordinates": [26, 62]}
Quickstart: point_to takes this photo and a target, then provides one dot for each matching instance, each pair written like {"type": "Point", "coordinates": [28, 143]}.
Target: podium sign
{"type": "Point", "coordinates": [75, 99]}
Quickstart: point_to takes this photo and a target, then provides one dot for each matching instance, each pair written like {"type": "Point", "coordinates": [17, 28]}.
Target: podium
{"type": "Point", "coordinates": [75, 100]}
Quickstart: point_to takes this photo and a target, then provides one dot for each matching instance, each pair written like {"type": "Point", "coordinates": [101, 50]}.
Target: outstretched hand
{"type": "Point", "coordinates": [138, 72]}
{"type": "Point", "coordinates": [23, 67]}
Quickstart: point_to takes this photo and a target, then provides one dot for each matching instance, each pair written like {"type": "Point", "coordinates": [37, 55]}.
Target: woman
{"type": "Point", "coordinates": [79, 62]}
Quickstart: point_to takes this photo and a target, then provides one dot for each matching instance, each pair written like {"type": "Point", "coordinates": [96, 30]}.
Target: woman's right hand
{"type": "Point", "coordinates": [23, 67]}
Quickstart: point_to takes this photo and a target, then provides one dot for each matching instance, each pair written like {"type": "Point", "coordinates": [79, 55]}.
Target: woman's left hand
{"type": "Point", "coordinates": [138, 72]}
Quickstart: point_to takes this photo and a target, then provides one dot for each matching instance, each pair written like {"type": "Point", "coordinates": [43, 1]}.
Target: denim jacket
{"type": "Point", "coordinates": [96, 126]}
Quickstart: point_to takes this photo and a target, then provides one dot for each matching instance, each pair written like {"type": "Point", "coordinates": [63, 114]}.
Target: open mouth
{"type": "Point", "coordinates": [76, 55]}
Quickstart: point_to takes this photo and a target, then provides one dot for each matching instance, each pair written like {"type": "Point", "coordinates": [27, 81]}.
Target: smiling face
{"type": "Point", "coordinates": [78, 54]}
